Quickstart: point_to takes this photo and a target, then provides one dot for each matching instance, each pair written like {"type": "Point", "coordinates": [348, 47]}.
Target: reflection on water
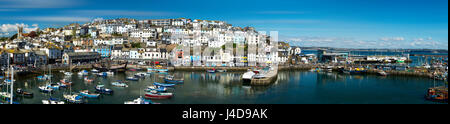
{"type": "Point", "coordinates": [226, 88]}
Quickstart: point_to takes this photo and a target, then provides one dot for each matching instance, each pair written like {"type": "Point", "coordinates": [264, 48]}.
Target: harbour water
{"type": "Point", "coordinates": [297, 87]}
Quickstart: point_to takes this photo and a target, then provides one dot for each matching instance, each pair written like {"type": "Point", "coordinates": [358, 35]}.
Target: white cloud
{"type": "Point", "coordinates": [420, 43]}
{"type": "Point", "coordinates": [6, 28]}
{"type": "Point", "coordinates": [392, 39]}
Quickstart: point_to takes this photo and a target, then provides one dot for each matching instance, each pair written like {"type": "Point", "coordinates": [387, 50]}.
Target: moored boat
{"type": "Point", "coordinates": [87, 94]}
{"type": "Point", "coordinates": [119, 84]}
{"type": "Point", "coordinates": [73, 98]}
{"type": "Point", "coordinates": [68, 73]}
{"type": "Point", "coordinates": [45, 89]}
{"type": "Point", "coordinates": [83, 73]}
{"type": "Point", "coordinates": [383, 73]}
{"type": "Point", "coordinates": [139, 100]}
{"type": "Point", "coordinates": [95, 71]}
{"type": "Point", "coordinates": [163, 85]}
{"type": "Point", "coordinates": [155, 88]}
{"type": "Point", "coordinates": [211, 70]}
{"type": "Point", "coordinates": [23, 93]}
{"type": "Point", "coordinates": [101, 89]}
{"type": "Point", "coordinates": [171, 79]}
{"type": "Point", "coordinates": [52, 101]}
{"type": "Point", "coordinates": [88, 80]}
{"type": "Point", "coordinates": [438, 94]}
{"type": "Point", "coordinates": [132, 78]}
{"type": "Point", "coordinates": [248, 76]}
{"type": "Point", "coordinates": [158, 95]}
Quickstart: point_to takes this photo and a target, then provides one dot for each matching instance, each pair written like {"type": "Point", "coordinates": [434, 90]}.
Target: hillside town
{"type": "Point", "coordinates": [137, 41]}
{"type": "Point", "coordinates": [176, 43]}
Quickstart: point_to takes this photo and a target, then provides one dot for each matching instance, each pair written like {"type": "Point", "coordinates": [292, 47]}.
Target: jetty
{"type": "Point", "coordinates": [269, 77]}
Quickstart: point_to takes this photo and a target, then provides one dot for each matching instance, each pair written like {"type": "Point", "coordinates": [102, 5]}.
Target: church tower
{"type": "Point", "coordinates": [19, 32]}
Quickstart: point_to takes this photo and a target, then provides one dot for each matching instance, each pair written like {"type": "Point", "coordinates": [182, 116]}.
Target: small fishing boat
{"type": "Point", "coordinates": [41, 78]}
{"type": "Point", "coordinates": [437, 94]}
{"type": "Point", "coordinates": [132, 78]}
{"type": "Point", "coordinates": [68, 73]}
{"type": "Point", "coordinates": [163, 70]}
{"type": "Point", "coordinates": [64, 80]}
{"type": "Point", "coordinates": [171, 79]}
{"type": "Point", "coordinates": [88, 80]}
{"type": "Point", "coordinates": [5, 96]}
{"type": "Point", "coordinates": [83, 73]}
{"type": "Point", "coordinates": [248, 76]}
{"type": "Point", "coordinates": [102, 74]}
{"type": "Point", "coordinates": [54, 86]}
{"type": "Point", "coordinates": [119, 84]}
{"type": "Point", "coordinates": [95, 71]}
{"type": "Point", "coordinates": [73, 99]}
{"type": "Point", "coordinates": [221, 70]}
{"type": "Point", "coordinates": [139, 100]}
{"type": "Point", "coordinates": [211, 71]}
{"type": "Point", "coordinates": [45, 89]}
{"type": "Point", "coordinates": [101, 89]}
{"type": "Point", "coordinates": [52, 101]}
{"type": "Point", "coordinates": [138, 75]}
{"type": "Point", "coordinates": [44, 77]}
{"type": "Point", "coordinates": [110, 73]}
{"type": "Point", "coordinates": [155, 88]}
{"type": "Point", "coordinates": [7, 81]}
{"type": "Point", "coordinates": [382, 73]}
{"type": "Point", "coordinates": [163, 85]}
{"type": "Point", "coordinates": [87, 94]}
{"type": "Point", "coordinates": [158, 95]}
{"type": "Point", "coordinates": [23, 93]}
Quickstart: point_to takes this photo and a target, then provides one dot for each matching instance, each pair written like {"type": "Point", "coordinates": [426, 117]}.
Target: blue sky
{"type": "Point", "coordinates": [328, 23]}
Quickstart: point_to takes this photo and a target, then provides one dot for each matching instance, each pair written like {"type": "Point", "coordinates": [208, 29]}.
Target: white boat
{"type": "Point", "coordinates": [83, 73]}
{"type": "Point", "coordinates": [248, 76]}
{"type": "Point", "coordinates": [383, 73]}
{"type": "Point", "coordinates": [52, 102]}
{"type": "Point", "coordinates": [259, 76]}
{"type": "Point", "coordinates": [139, 100]}
{"type": "Point", "coordinates": [110, 73]}
{"type": "Point", "coordinates": [68, 73]}
{"type": "Point", "coordinates": [95, 71]}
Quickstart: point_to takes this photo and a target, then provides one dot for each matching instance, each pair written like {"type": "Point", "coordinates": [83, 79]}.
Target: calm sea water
{"type": "Point", "coordinates": [226, 88]}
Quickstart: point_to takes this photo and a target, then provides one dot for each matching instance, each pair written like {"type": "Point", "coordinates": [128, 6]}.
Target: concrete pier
{"type": "Point", "coordinates": [269, 78]}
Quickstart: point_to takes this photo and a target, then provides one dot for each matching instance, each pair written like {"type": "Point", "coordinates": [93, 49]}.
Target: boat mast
{"type": "Point", "coordinates": [12, 85]}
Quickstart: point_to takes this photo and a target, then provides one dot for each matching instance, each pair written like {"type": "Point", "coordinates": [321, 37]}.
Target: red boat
{"type": "Point", "coordinates": [154, 95]}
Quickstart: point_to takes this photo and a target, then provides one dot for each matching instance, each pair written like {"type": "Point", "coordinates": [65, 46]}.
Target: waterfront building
{"type": "Point", "coordinates": [37, 58]}
{"type": "Point", "coordinates": [81, 57]}
{"type": "Point", "coordinates": [18, 56]}
{"type": "Point", "coordinates": [104, 50]}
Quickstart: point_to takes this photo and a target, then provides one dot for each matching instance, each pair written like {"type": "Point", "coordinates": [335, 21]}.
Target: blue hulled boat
{"type": "Point", "coordinates": [88, 94]}
{"type": "Point", "coordinates": [132, 78]}
{"type": "Point", "coordinates": [101, 89]}
{"type": "Point", "coordinates": [171, 79]}
{"type": "Point", "coordinates": [163, 85]}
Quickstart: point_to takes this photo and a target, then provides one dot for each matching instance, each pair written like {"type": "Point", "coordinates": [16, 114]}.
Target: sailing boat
{"type": "Point", "coordinates": [73, 98]}
{"type": "Point", "coordinates": [51, 100]}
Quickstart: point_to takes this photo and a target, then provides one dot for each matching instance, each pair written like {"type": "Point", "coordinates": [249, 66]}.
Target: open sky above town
{"type": "Point", "coordinates": [405, 24]}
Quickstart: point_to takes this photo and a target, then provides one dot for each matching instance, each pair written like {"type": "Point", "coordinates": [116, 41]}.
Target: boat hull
{"type": "Point", "coordinates": [157, 96]}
